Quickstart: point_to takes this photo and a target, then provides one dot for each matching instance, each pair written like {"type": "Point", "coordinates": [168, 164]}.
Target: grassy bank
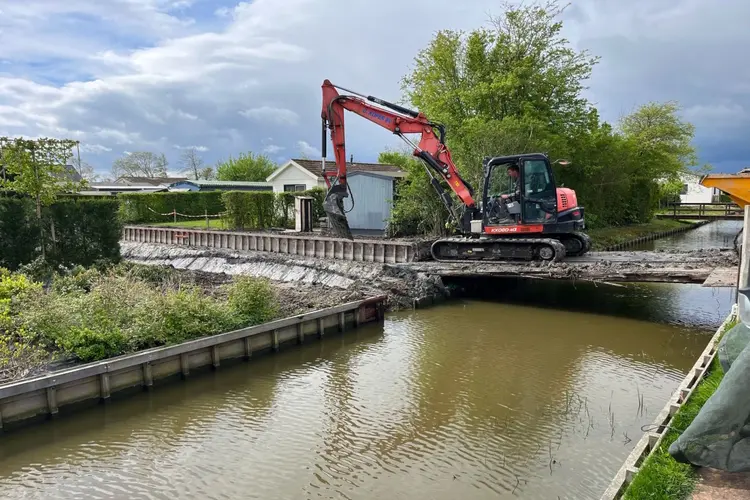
{"type": "Point", "coordinates": [86, 315]}
{"type": "Point", "coordinates": [605, 237]}
{"type": "Point", "coordinates": [661, 477]}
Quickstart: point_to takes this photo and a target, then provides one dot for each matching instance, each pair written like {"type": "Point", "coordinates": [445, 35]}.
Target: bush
{"type": "Point", "coordinates": [92, 345]}
{"type": "Point", "coordinates": [92, 314]}
{"type": "Point", "coordinates": [147, 207]}
{"type": "Point", "coordinates": [253, 300]}
{"type": "Point", "coordinates": [179, 316]}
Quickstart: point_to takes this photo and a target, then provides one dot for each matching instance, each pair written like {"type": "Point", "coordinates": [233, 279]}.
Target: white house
{"type": "Point", "coordinates": [693, 192]}
{"type": "Point", "coordinates": [372, 189]}
{"type": "Point", "coordinates": [301, 175]}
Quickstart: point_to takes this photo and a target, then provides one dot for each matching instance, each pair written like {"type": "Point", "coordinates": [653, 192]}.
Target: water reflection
{"type": "Point", "coordinates": [715, 234]}
{"type": "Point", "coordinates": [472, 399]}
{"type": "Point", "coordinates": [690, 305]}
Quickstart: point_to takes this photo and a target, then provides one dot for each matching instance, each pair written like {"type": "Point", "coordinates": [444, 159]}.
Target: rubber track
{"type": "Point", "coordinates": [556, 244]}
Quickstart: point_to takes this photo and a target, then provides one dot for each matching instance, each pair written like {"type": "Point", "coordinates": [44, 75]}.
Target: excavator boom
{"type": "Point", "coordinates": [399, 120]}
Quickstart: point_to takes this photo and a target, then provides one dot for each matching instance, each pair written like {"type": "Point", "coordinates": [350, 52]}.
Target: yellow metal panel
{"type": "Point", "coordinates": [736, 186]}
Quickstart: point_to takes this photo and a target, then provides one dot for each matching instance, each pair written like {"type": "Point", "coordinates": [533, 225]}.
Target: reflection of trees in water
{"type": "Point", "coordinates": [690, 305]}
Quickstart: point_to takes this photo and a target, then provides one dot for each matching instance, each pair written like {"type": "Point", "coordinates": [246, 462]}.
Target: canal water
{"type": "Point", "coordinates": [716, 234]}
{"type": "Point", "coordinates": [483, 397]}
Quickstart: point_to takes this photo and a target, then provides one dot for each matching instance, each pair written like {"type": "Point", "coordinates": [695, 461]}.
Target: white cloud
{"type": "Point", "coordinates": [308, 150]}
{"type": "Point", "coordinates": [200, 149]}
{"type": "Point", "coordinates": [94, 148]}
{"type": "Point", "coordinates": [149, 74]}
{"type": "Point", "coordinates": [266, 114]}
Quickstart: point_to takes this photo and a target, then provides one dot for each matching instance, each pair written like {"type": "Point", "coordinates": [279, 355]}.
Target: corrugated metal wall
{"type": "Point", "coordinates": [373, 196]}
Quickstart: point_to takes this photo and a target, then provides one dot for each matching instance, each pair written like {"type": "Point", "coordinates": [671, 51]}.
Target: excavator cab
{"type": "Point", "coordinates": [519, 190]}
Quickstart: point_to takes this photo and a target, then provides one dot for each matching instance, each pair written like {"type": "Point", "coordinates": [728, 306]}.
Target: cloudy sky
{"type": "Point", "coordinates": [227, 76]}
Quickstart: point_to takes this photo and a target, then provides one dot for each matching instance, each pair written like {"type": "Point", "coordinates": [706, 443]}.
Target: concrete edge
{"type": "Point", "coordinates": [650, 441]}
{"type": "Point", "coordinates": [128, 361]}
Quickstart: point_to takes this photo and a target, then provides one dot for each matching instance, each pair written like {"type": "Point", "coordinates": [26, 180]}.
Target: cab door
{"type": "Point", "coordinates": [539, 193]}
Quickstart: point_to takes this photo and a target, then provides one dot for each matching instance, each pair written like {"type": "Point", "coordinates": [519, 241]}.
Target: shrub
{"type": "Point", "coordinates": [14, 285]}
{"type": "Point", "coordinates": [181, 315]}
{"type": "Point", "coordinates": [92, 315]}
{"type": "Point", "coordinates": [253, 300]}
{"type": "Point", "coordinates": [93, 344]}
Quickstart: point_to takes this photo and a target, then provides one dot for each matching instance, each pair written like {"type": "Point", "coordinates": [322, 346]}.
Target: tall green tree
{"type": "Point", "coordinates": [39, 168]}
{"type": "Point", "coordinates": [247, 167]}
{"type": "Point", "coordinates": [513, 87]}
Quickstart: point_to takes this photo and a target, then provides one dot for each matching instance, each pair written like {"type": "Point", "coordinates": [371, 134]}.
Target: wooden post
{"type": "Point", "coordinates": [208, 224]}
{"type": "Point", "coordinates": [174, 212]}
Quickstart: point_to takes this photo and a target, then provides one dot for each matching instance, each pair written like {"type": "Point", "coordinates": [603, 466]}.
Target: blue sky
{"type": "Point", "coordinates": [227, 76]}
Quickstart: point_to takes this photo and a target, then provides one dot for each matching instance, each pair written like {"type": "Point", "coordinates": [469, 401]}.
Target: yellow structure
{"type": "Point", "coordinates": [736, 186]}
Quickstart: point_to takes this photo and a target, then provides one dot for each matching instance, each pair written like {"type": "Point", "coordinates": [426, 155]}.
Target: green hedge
{"type": "Point", "coordinates": [137, 207]}
{"type": "Point", "coordinates": [263, 210]}
{"type": "Point", "coordinates": [82, 232]}
{"type": "Point", "coordinates": [250, 209]}
{"type": "Point", "coordinates": [73, 232]}
{"type": "Point", "coordinates": [244, 210]}
{"type": "Point", "coordinates": [19, 232]}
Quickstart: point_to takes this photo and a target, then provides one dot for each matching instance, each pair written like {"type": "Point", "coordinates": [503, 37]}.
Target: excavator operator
{"type": "Point", "coordinates": [513, 173]}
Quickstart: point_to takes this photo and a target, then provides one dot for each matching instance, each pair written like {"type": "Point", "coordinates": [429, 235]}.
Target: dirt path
{"type": "Point", "coordinates": [720, 485]}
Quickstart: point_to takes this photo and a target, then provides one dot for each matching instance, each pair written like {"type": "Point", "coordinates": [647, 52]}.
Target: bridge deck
{"type": "Point", "coordinates": [670, 267]}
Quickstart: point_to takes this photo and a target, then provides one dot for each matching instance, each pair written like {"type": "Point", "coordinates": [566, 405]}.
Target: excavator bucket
{"type": "Point", "coordinates": [333, 205]}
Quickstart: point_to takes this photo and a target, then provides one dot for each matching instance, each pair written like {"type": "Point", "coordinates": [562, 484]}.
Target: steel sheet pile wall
{"type": "Point", "coordinates": [45, 395]}
{"type": "Point", "coordinates": [391, 252]}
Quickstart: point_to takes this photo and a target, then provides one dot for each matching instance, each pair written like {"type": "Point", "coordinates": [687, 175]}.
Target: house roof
{"type": "Point", "coordinates": [314, 168]}
{"type": "Point", "coordinates": [201, 183]}
{"type": "Point", "coordinates": [153, 181]}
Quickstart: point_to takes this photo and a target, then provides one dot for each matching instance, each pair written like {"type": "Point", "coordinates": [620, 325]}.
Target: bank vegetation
{"type": "Point", "coordinates": [89, 314]}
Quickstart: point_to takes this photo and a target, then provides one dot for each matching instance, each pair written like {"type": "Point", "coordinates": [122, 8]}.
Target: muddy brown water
{"type": "Point", "coordinates": [471, 399]}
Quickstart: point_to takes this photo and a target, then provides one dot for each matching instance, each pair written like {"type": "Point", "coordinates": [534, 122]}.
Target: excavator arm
{"type": "Point", "coordinates": [431, 149]}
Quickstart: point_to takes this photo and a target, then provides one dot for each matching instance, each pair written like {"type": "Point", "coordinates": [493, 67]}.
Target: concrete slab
{"type": "Point", "coordinates": [721, 485]}
{"type": "Point", "coordinates": [723, 277]}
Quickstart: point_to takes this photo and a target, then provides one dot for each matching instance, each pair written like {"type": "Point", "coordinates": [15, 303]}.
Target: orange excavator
{"type": "Point", "coordinates": [522, 214]}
